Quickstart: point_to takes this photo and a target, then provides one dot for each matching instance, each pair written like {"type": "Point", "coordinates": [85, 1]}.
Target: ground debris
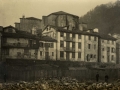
{"type": "Point", "coordinates": [65, 83]}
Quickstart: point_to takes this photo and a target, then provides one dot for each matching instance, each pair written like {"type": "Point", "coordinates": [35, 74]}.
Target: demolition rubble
{"type": "Point", "coordinates": [60, 84]}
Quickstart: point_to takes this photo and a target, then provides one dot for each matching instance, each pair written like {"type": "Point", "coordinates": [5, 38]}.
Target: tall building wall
{"type": "Point", "coordinates": [91, 48]}
{"type": "Point", "coordinates": [62, 21]}
{"type": "Point", "coordinates": [108, 51]}
{"type": "Point", "coordinates": [28, 24]}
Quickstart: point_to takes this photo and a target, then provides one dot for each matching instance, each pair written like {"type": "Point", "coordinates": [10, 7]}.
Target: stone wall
{"type": "Point", "coordinates": [30, 70]}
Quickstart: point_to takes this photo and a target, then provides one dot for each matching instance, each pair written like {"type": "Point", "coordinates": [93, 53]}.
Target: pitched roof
{"type": "Point", "coordinates": [107, 37]}
{"type": "Point", "coordinates": [47, 38]}
{"type": "Point", "coordinates": [9, 27]}
{"type": "Point", "coordinates": [19, 34]}
{"type": "Point", "coordinates": [33, 18]}
{"type": "Point", "coordinates": [60, 29]}
{"type": "Point", "coordinates": [62, 13]}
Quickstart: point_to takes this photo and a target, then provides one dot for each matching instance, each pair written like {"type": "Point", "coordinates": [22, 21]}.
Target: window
{"type": "Point", "coordinates": [61, 43]}
{"type": "Point", "coordinates": [73, 35]}
{"type": "Point", "coordinates": [89, 37]}
{"type": "Point", "coordinates": [79, 54]}
{"type": "Point", "coordinates": [51, 45]}
{"type": "Point", "coordinates": [18, 54]}
{"type": "Point", "coordinates": [91, 56]}
{"type": "Point", "coordinates": [52, 53]}
{"type": "Point", "coordinates": [108, 49]}
{"type": "Point", "coordinates": [88, 57]}
{"type": "Point", "coordinates": [94, 56]}
{"type": "Point", "coordinates": [103, 49]}
{"type": "Point", "coordinates": [40, 53]}
{"type": "Point", "coordinates": [67, 35]}
{"type": "Point", "coordinates": [73, 45]}
{"type": "Point", "coordinates": [102, 56]}
{"type": "Point", "coordinates": [79, 45]}
{"type": "Point", "coordinates": [61, 54]}
{"type": "Point", "coordinates": [112, 50]}
{"type": "Point", "coordinates": [61, 34]}
{"type": "Point", "coordinates": [47, 44]}
{"type": "Point", "coordinates": [79, 36]}
{"type": "Point", "coordinates": [102, 41]}
{"type": "Point", "coordinates": [112, 57]}
{"type": "Point", "coordinates": [41, 44]}
{"type": "Point", "coordinates": [94, 46]}
{"type": "Point", "coordinates": [95, 38]}
{"type": "Point", "coordinates": [108, 41]}
{"type": "Point", "coordinates": [73, 55]}
{"type": "Point", "coordinates": [89, 46]}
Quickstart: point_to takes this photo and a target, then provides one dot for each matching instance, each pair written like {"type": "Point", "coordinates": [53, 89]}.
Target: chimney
{"type": "Point", "coordinates": [82, 26]}
{"type": "Point", "coordinates": [23, 16]}
{"type": "Point", "coordinates": [96, 30]}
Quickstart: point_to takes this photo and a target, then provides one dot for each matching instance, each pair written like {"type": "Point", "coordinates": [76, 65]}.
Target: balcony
{"type": "Point", "coordinates": [19, 45]}
{"type": "Point", "coordinates": [67, 38]}
{"type": "Point", "coordinates": [69, 49]}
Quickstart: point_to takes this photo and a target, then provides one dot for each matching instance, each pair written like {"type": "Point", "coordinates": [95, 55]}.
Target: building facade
{"type": "Point", "coordinates": [63, 38]}
{"type": "Point", "coordinates": [74, 45]}
{"type": "Point", "coordinates": [17, 44]}
{"type": "Point", "coordinates": [29, 24]}
{"type": "Point", "coordinates": [61, 19]}
{"type": "Point", "coordinates": [47, 48]}
{"type": "Point", "coordinates": [108, 50]}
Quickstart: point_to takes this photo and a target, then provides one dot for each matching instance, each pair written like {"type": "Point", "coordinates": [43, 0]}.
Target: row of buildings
{"type": "Point", "coordinates": [58, 36]}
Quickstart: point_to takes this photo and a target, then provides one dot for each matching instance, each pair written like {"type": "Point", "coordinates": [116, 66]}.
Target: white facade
{"type": "Point", "coordinates": [72, 46]}
{"type": "Point", "coordinates": [108, 51]}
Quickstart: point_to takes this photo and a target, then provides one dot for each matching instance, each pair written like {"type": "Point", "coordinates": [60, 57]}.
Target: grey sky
{"type": "Point", "coordinates": [12, 10]}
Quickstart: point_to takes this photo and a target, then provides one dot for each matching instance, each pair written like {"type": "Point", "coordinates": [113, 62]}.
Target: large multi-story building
{"type": "Point", "coordinates": [63, 38]}
{"type": "Point", "coordinates": [18, 44]}
{"type": "Point", "coordinates": [77, 45]}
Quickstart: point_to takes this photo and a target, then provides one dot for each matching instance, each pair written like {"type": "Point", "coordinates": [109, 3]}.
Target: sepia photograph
{"type": "Point", "coordinates": [59, 44]}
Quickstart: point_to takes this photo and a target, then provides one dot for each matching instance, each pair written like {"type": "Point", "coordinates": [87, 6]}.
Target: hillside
{"type": "Point", "coordinates": [105, 17]}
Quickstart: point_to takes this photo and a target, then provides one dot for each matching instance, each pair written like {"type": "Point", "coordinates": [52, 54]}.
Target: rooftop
{"type": "Point", "coordinates": [62, 13]}
{"type": "Point", "coordinates": [33, 18]}
{"type": "Point", "coordinates": [60, 29]}
{"type": "Point", "coordinates": [47, 38]}
{"type": "Point", "coordinates": [107, 37]}
{"type": "Point", "coordinates": [103, 36]}
{"type": "Point", "coordinates": [18, 34]}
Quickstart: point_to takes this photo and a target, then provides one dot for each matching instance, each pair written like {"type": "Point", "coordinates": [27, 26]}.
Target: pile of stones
{"type": "Point", "coordinates": [65, 83]}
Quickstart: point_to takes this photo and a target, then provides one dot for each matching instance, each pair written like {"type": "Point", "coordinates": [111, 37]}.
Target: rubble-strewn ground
{"type": "Point", "coordinates": [60, 84]}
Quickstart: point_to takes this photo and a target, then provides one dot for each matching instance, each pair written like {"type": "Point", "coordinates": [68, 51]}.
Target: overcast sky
{"type": "Point", "coordinates": [12, 10]}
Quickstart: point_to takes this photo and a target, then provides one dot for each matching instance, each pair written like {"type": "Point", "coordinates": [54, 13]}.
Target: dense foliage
{"type": "Point", "coordinates": [105, 17]}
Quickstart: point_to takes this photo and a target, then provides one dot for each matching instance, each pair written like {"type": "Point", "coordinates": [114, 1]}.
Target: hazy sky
{"type": "Point", "coordinates": [12, 10]}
